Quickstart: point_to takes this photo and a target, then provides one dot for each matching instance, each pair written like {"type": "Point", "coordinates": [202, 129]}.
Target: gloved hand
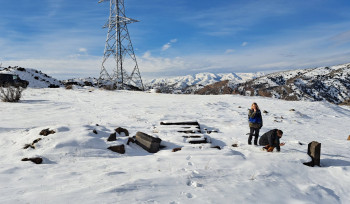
{"type": "Point", "coordinates": [270, 149]}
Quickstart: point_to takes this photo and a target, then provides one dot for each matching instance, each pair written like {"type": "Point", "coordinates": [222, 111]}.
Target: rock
{"type": "Point", "coordinates": [36, 160]}
{"type": "Point", "coordinates": [36, 141]}
{"type": "Point", "coordinates": [112, 137]}
{"type": "Point", "coordinates": [26, 146]}
{"type": "Point", "coordinates": [119, 149]}
{"type": "Point", "coordinates": [314, 151]}
{"type": "Point", "coordinates": [119, 130]}
{"type": "Point", "coordinates": [349, 137]}
{"type": "Point", "coordinates": [147, 142]}
{"type": "Point", "coordinates": [46, 132]}
{"type": "Point", "coordinates": [176, 149]}
{"type": "Point", "coordinates": [130, 140]}
{"type": "Point", "coordinates": [292, 109]}
{"type": "Point", "coordinates": [265, 112]}
{"type": "Point", "coordinates": [217, 147]}
{"type": "Point", "coordinates": [95, 131]}
{"type": "Point", "coordinates": [235, 145]}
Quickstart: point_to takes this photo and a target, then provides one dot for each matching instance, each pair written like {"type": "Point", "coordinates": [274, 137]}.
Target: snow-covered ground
{"type": "Point", "coordinates": [78, 167]}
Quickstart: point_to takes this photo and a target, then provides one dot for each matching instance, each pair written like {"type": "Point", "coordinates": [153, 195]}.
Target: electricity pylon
{"type": "Point", "coordinates": [119, 46]}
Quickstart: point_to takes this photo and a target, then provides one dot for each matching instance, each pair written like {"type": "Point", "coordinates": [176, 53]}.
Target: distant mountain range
{"type": "Point", "coordinates": [331, 84]}
{"type": "Point", "coordinates": [190, 84]}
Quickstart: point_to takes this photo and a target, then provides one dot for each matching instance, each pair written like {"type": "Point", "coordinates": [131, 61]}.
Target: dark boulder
{"type": "Point", "coordinates": [36, 160]}
{"type": "Point", "coordinates": [119, 149]}
{"type": "Point", "coordinates": [112, 137]}
{"type": "Point", "coordinates": [120, 130]}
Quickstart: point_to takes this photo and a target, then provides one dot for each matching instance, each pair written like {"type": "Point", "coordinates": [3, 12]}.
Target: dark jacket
{"type": "Point", "coordinates": [255, 119]}
{"type": "Point", "coordinates": [270, 138]}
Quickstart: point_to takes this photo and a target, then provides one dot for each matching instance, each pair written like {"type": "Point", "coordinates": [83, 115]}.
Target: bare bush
{"type": "Point", "coordinates": [11, 93]}
{"type": "Point", "coordinates": [69, 86]}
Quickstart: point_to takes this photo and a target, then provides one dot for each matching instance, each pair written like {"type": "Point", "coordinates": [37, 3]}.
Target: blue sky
{"type": "Point", "coordinates": [64, 38]}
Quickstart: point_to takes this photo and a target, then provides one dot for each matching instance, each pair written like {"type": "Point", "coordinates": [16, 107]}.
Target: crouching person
{"type": "Point", "coordinates": [271, 139]}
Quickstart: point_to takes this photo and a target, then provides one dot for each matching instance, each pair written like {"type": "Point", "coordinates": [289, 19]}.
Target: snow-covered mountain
{"type": "Point", "coordinates": [36, 78]}
{"type": "Point", "coordinates": [192, 83]}
{"type": "Point", "coordinates": [323, 83]}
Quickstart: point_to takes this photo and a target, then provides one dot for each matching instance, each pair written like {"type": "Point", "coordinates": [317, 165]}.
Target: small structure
{"type": "Point", "coordinates": [314, 151]}
{"type": "Point", "coordinates": [147, 142]}
{"type": "Point", "coordinates": [349, 137]}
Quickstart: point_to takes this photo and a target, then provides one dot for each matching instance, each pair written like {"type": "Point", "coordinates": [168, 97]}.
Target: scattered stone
{"type": "Point", "coordinates": [314, 151]}
{"type": "Point", "coordinates": [265, 112]}
{"type": "Point", "coordinates": [349, 137]}
{"type": "Point", "coordinates": [119, 130]}
{"type": "Point", "coordinates": [192, 136]}
{"type": "Point", "coordinates": [176, 149]}
{"type": "Point", "coordinates": [187, 131]}
{"type": "Point", "coordinates": [36, 160]}
{"type": "Point", "coordinates": [212, 131]}
{"type": "Point", "coordinates": [292, 109]}
{"type": "Point", "coordinates": [147, 142]}
{"type": "Point", "coordinates": [95, 131]}
{"type": "Point", "coordinates": [199, 141]}
{"type": "Point", "coordinates": [112, 137]}
{"type": "Point", "coordinates": [180, 123]}
{"type": "Point", "coordinates": [239, 107]}
{"type": "Point", "coordinates": [300, 143]}
{"type": "Point", "coordinates": [36, 141]}
{"type": "Point", "coordinates": [217, 147]}
{"type": "Point", "coordinates": [119, 149]}
{"type": "Point", "coordinates": [46, 132]}
{"type": "Point", "coordinates": [26, 146]}
{"type": "Point", "coordinates": [235, 145]}
{"type": "Point", "coordinates": [97, 125]}
{"type": "Point", "coordinates": [130, 140]}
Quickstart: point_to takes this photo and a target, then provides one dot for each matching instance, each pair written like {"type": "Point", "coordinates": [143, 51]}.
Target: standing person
{"type": "Point", "coordinates": [271, 139]}
{"type": "Point", "coordinates": [255, 123]}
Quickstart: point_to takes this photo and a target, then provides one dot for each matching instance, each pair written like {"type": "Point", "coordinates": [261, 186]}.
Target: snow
{"type": "Point", "coordinates": [78, 167]}
{"type": "Point", "coordinates": [202, 79]}
{"type": "Point", "coordinates": [36, 78]}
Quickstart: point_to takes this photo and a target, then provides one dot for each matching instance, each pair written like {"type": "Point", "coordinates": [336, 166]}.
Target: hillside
{"type": "Point", "coordinates": [78, 168]}
{"type": "Point", "coordinates": [324, 83]}
{"type": "Point", "coordinates": [36, 78]}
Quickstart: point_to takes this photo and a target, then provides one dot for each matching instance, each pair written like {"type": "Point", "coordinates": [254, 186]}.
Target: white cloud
{"type": "Point", "coordinates": [169, 44]}
{"type": "Point", "coordinates": [83, 50]}
{"type": "Point", "coordinates": [173, 40]}
{"type": "Point", "coordinates": [244, 44]}
{"type": "Point", "coordinates": [229, 51]}
{"type": "Point", "coordinates": [166, 46]}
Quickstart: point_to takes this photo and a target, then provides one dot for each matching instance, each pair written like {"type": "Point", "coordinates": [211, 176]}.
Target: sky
{"type": "Point", "coordinates": [65, 39]}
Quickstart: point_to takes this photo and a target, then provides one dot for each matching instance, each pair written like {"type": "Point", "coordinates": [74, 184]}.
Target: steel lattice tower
{"type": "Point", "coordinates": [119, 46]}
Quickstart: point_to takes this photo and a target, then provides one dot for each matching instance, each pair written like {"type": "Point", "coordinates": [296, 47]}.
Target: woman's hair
{"type": "Point", "coordinates": [257, 107]}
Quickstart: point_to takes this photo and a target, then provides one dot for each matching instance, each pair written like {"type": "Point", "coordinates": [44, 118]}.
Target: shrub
{"type": "Point", "coordinates": [11, 93]}
{"type": "Point", "coordinates": [69, 86]}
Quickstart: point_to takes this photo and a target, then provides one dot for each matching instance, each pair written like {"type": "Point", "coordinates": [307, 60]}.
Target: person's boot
{"type": "Point", "coordinates": [256, 141]}
{"type": "Point", "coordinates": [250, 139]}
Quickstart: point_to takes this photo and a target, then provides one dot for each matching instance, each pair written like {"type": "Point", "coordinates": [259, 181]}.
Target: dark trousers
{"type": "Point", "coordinates": [255, 132]}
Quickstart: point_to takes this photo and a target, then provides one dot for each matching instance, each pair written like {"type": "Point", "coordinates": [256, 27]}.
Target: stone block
{"type": "Point", "coordinates": [112, 137]}
{"type": "Point", "coordinates": [147, 142]}
{"type": "Point", "coordinates": [314, 151]}
{"type": "Point", "coordinates": [118, 148]}
{"type": "Point", "coordinates": [120, 130]}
